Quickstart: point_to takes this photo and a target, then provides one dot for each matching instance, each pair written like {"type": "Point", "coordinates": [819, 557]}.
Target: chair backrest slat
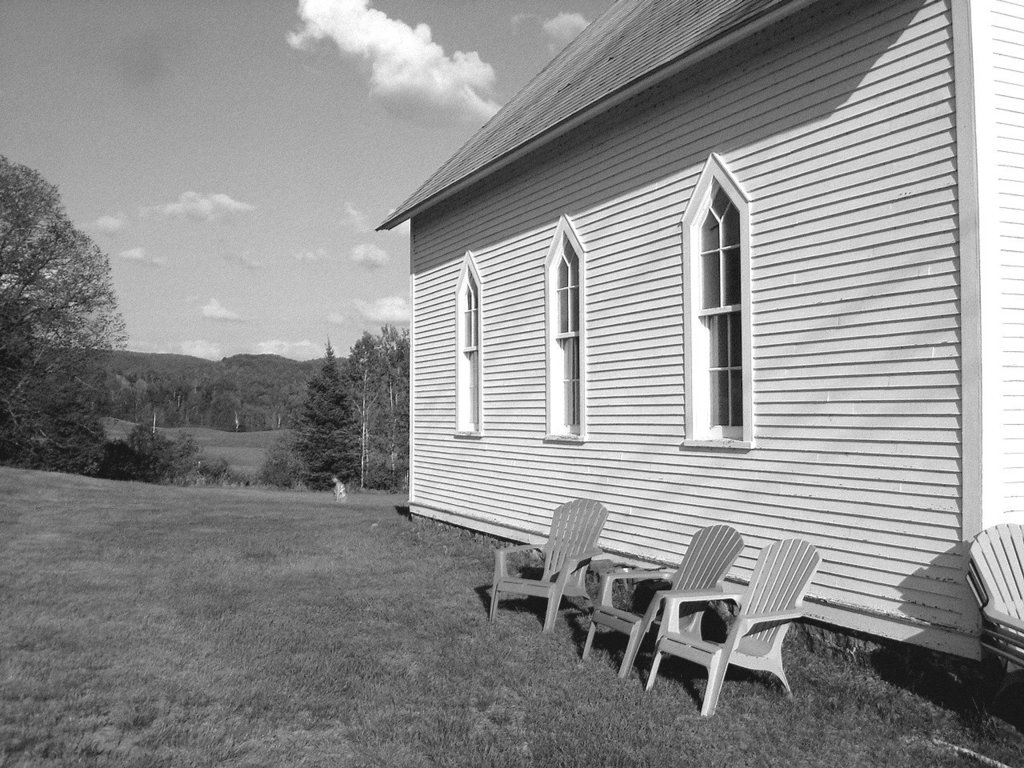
{"type": "Point", "coordinates": [782, 575]}
{"type": "Point", "coordinates": [997, 568]}
{"type": "Point", "coordinates": [711, 552]}
{"type": "Point", "coordinates": [575, 528]}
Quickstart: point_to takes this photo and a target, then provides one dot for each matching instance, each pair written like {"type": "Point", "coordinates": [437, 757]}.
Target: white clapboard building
{"type": "Point", "coordinates": [745, 261]}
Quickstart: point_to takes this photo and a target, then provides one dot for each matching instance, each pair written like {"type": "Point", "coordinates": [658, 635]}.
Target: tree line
{"type": "Point", "coordinates": [244, 393]}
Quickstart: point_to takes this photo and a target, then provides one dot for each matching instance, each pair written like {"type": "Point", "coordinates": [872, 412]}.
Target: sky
{"type": "Point", "coordinates": [234, 157]}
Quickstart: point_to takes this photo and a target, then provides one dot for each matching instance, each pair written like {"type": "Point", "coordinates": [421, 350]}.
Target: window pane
{"type": "Point", "coordinates": [721, 202]}
{"type": "Point", "coordinates": [731, 226]}
{"type": "Point", "coordinates": [736, 398]}
{"type": "Point", "coordinates": [709, 235]}
{"type": "Point", "coordinates": [571, 380]}
{"type": "Point", "coordinates": [718, 326]}
{"type": "Point", "coordinates": [731, 276]}
{"type": "Point", "coordinates": [719, 399]}
{"type": "Point", "coordinates": [735, 340]}
{"type": "Point", "coordinates": [710, 276]}
{"type": "Point", "coordinates": [574, 309]}
{"type": "Point", "coordinates": [563, 273]}
{"type": "Point", "coordinates": [472, 391]}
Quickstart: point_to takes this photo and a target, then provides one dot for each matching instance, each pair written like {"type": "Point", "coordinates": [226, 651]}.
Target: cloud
{"type": "Point", "coordinates": [214, 310]}
{"type": "Point", "coordinates": [390, 309]}
{"type": "Point", "coordinates": [370, 255]}
{"type": "Point", "coordinates": [407, 68]}
{"type": "Point", "coordinates": [192, 205]}
{"type": "Point", "coordinates": [139, 256]}
{"type": "Point", "coordinates": [244, 259]}
{"type": "Point", "coordinates": [560, 30]}
{"type": "Point", "coordinates": [337, 318]}
{"type": "Point", "coordinates": [563, 28]}
{"type": "Point", "coordinates": [356, 219]}
{"type": "Point", "coordinates": [201, 348]}
{"type": "Point", "coordinates": [297, 350]}
{"type": "Point", "coordinates": [111, 225]}
{"type": "Point", "coordinates": [311, 256]}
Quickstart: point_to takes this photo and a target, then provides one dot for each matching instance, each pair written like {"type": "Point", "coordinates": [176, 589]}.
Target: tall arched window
{"type": "Point", "coordinates": [716, 276]}
{"type": "Point", "coordinates": [566, 349]}
{"type": "Point", "coordinates": [469, 400]}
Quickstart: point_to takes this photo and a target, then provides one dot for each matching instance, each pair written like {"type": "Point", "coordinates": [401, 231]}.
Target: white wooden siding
{"type": "Point", "coordinates": [1008, 60]}
{"type": "Point", "coordinates": [845, 141]}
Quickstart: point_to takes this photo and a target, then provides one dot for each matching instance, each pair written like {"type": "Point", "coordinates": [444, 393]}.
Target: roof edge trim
{"type": "Point", "coordinates": [599, 107]}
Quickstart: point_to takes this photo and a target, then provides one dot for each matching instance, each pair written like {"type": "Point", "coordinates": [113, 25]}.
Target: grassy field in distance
{"type": "Point", "coordinates": [244, 452]}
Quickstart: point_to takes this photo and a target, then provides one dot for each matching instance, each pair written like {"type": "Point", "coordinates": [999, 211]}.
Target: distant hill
{"type": "Point", "coordinates": [240, 393]}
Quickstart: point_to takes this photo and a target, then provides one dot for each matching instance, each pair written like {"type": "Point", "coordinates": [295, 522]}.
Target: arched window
{"type": "Point", "coordinates": [716, 276]}
{"type": "Point", "coordinates": [566, 349]}
{"type": "Point", "coordinates": [469, 397]}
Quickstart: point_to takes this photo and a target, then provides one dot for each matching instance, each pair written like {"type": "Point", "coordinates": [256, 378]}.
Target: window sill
{"type": "Point", "coordinates": [467, 435]}
{"type": "Point", "coordinates": [570, 439]}
{"type": "Point", "coordinates": [719, 443]}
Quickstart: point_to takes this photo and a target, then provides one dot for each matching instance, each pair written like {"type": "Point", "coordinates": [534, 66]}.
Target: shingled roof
{"type": "Point", "coordinates": [631, 46]}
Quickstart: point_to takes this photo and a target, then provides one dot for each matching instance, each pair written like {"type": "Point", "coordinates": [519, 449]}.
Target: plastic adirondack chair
{"type": "Point", "coordinates": [571, 544]}
{"type": "Point", "coordinates": [772, 600]}
{"type": "Point", "coordinates": [711, 552]}
{"type": "Point", "coordinates": [996, 575]}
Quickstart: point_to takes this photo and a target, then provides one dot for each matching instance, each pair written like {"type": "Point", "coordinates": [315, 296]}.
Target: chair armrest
{"type": "Point", "coordinates": [500, 566]}
{"type": "Point", "coordinates": [769, 618]}
{"type": "Point", "coordinates": [609, 579]}
{"type": "Point", "coordinates": [1003, 619]}
{"type": "Point", "coordinates": [673, 599]}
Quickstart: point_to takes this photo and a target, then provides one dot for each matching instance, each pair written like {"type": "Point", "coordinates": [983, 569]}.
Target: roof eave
{"type": "Point", "coordinates": [605, 104]}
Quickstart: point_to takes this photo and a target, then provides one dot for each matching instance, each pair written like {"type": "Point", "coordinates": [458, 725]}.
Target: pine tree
{"type": "Point", "coordinates": [326, 428]}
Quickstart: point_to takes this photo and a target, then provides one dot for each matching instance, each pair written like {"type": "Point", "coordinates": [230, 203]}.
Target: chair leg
{"type": "Point", "coordinates": [494, 600]}
{"type": "Point", "coordinates": [590, 641]}
{"type": "Point", "coordinates": [653, 674]}
{"type": "Point", "coordinates": [716, 675]}
{"type": "Point", "coordinates": [551, 613]}
{"type": "Point", "coordinates": [636, 636]}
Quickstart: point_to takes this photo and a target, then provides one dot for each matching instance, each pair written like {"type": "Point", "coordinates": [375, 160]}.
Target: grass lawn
{"type": "Point", "coordinates": [165, 626]}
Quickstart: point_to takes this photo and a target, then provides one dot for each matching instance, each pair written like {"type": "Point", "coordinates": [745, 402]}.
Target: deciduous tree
{"type": "Point", "coordinates": [57, 307]}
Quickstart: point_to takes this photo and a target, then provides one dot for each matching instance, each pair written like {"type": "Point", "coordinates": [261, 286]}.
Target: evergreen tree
{"type": "Point", "coordinates": [326, 431]}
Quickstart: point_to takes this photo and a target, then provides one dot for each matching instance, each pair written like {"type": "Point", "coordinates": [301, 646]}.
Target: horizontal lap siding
{"type": "Point", "coordinates": [1008, 50]}
{"type": "Point", "coordinates": [845, 142]}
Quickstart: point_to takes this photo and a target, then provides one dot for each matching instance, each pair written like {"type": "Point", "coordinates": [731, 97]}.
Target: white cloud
{"type": "Point", "coordinates": [201, 348]}
{"type": "Point", "coordinates": [563, 28]}
{"type": "Point", "coordinates": [297, 350]}
{"type": "Point", "coordinates": [139, 256]}
{"type": "Point", "coordinates": [244, 259]}
{"type": "Point", "coordinates": [337, 318]}
{"type": "Point", "coordinates": [370, 255]}
{"type": "Point", "coordinates": [214, 310]}
{"type": "Point", "coordinates": [311, 256]}
{"type": "Point", "coordinates": [111, 225]}
{"type": "Point", "coordinates": [192, 205]}
{"type": "Point", "coordinates": [390, 309]}
{"type": "Point", "coordinates": [407, 68]}
{"type": "Point", "coordinates": [356, 219]}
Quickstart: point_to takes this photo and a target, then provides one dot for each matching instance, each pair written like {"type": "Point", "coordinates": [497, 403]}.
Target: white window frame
{"type": "Point", "coordinates": [469, 405]}
{"type": "Point", "coordinates": [559, 427]}
{"type": "Point", "coordinates": [699, 430]}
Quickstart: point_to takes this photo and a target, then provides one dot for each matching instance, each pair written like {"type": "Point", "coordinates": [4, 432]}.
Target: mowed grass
{"type": "Point", "coordinates": [164, 626]}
